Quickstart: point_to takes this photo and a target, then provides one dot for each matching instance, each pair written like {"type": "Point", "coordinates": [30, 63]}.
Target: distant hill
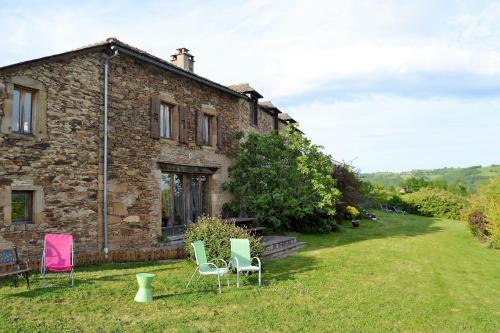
{"type": "Point", "coordinates": [469, 176]}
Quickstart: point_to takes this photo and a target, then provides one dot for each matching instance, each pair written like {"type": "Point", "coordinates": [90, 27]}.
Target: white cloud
{"type": "Point", "coordinates": [392, 133]}
{"type": "Point", "coordinates": [306, 54]}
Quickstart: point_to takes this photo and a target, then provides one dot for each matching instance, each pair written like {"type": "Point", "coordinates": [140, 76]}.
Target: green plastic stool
{"type": "Point", "coordinates": [145, 293]}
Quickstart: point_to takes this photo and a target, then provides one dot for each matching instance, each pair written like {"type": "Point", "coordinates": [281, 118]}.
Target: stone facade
{"type": "Point", "coordinates": [62, 166]}
{"type": "Point", "coordinates": [61, 163]}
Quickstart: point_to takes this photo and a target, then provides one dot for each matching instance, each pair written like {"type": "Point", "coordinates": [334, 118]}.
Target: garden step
{"type": "Point", "coordinates": [274, 242]}
{"type": "Point", "coordinates": [280, 246]}
{"type": "Point", "coordinates": [283, 251]}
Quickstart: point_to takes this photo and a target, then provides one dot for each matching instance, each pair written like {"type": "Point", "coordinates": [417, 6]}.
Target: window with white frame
{"type": "Point", "coordinates": [22, 107]}
{"type": "Point", "coordinates": [165, 121]}
{"type": "Point", "coordinates": [207, 129]}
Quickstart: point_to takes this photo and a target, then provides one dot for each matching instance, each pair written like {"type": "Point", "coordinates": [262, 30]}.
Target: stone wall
{"type": "Point", "coordinates": [64, 165]}
{"type": "Point", "coordinates": [134, 164]}
{"type": "Point", "coordinates": [265, 120]}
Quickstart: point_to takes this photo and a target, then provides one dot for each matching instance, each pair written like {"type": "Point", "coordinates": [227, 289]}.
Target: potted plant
{"type": "Point", "coordinates": [353, 214]}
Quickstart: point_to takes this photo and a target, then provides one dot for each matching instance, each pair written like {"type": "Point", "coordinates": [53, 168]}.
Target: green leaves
{"type": "Point", "coordinates": [283, 180]}
{"type": "Point", "coordinates": [216, 235]}
{"type": "Point", "coordinates": [435, 202]}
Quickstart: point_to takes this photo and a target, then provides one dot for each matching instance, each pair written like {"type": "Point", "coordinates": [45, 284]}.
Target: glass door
{"type": "Point", "coordinates": [184, 197]}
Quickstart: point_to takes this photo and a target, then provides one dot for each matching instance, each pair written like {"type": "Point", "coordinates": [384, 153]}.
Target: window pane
{"type": "Point", "coordinates": [166, 191]}
{"type": "Point", "coordinates": [168, 122]}
{"type": "Point", "coordinates": [165, 121]}
{"type": "Point", "coordinates": [27, 112]}
{"type": "Point", "coordinates": [21, 205]}
{"type": "Point", "coordinates": [162, 120]}
{"type": "Point", "coordinates": [16, 111]}
{"type": "Point", "coordinates": [194, 192]}
{"type": "Point", "coordinates": [206, 129]}
{"type": "Point", "coordinates": [178, 200]}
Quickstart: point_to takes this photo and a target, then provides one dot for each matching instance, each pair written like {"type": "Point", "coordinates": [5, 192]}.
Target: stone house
{"type": "Point", "coordinates": [167, 131]}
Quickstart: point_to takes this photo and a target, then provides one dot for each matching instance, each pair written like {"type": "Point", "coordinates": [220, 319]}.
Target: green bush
{"type": "Point", "coordinates": [283, 180]}
{"type": "Point", "coordinates": [352, 212]}
{"type": "Point", "coordinates": [434, 202]}
{"type": "Point", "coordinates": [216, 235]}
{"type": "Point", "coordinates": [315, 223]}
{"type": "Point", "coordinates": [476, 222]}
{"type": "Point", "coordinates": [351, 187]}
{"type": "Point", "coordinates": [483, 216]}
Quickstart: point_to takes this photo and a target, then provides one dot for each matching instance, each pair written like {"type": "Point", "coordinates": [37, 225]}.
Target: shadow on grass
{"type": "Point", "coordinates": [60, 283]}
{"type": "Point", "coordinates": [288, 268]}
{"type": "Point", "coordinates": [194, 291]}
{"type": "Point", "coordinates": [125, 265]}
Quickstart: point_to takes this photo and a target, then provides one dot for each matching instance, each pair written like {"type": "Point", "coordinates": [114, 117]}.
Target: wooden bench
{"type": "Point", "coordinates": [247, 223]}
{"type": "Point", "coordinates": [10, 265]}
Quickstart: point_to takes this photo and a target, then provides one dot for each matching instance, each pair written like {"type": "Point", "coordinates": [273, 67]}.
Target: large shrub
{"type": "Point", "coordinates": [350, 186]}
{"type": "Point", "coordinates": [434, 202]}
{"type": "Point", "coordinates": [476, 222]}
{"type": "Point", "coordinates": [483, 215]}
{"type": "Point", "coordinates": [216, 235]}
{"type": "Point", "coordinates": [284, 181]}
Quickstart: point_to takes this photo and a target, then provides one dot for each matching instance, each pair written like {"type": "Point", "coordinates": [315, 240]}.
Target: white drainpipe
{"type": "Point", "coordinates": [105, 163]}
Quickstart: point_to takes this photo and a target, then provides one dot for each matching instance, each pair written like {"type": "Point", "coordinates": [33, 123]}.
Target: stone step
{"type": "Point", "coordinates": [283, 251]}
{"type": "Point", "coordinates": [280, 246]}
{"type": "Point", "coordinates": [275, 242]}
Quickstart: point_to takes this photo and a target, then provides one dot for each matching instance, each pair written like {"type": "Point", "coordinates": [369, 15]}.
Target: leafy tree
{"type": "Point", "coordinates": [458, 187]}
{"type": "Point", "coordinates": [350, 186]}
{"type": "Point", "coordinates": [284, 181]}
{"type": "Point", "coordinates": [379, 194]}
{"type": "Point", "coordinates": [414, 184]}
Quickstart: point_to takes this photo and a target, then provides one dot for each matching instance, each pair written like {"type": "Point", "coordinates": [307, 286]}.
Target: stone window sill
{"type": "Point", "coordinates": [208, 147]}
{"type": "Point", "coordinates": [169, 141]}
{"type": "Point", "coordinates": [18, 136]}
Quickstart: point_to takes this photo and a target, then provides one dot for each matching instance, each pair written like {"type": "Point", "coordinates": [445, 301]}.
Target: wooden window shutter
{"type": "Point", "coordinates": [155, 117]}
{"type": "Point", "coordinates": [183, 112]}
{"type": "Point", "coordinates": [199, 128]}
{"type": "Point", "coordinates": [175, 123]}
{"type": "Point", "coordinates": [219, 132]}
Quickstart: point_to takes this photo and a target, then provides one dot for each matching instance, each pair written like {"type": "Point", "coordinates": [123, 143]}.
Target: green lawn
{"type": "Point", "coordinates": [398, 274]}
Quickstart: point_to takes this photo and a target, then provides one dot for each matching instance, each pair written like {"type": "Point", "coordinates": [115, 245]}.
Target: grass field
{"type": "Point", "coordinates": [398, 274]}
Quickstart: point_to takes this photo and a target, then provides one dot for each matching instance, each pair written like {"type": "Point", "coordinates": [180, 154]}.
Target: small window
{"type": "Point", "coordinates": [255, 113]}
{"type": "Point", "coordinates": [207, 129]}
{"type": "Point", "coordinates": [22, 105]}
{"type": "Point", "coordinates": [165, 121]}
{"type": "Point", "coordinates": [22, 207]}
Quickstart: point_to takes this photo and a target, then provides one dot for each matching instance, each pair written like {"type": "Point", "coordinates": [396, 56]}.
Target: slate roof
{"type": "Point", "coordinates": [111, 44]}
{"type": "Point", "coordinates": [286, 117]}
{"type": "Point", "coordinates": [268, 104]}
{"type": "Point", "coordinates": [133, 51]}
{"type": "Point", "coordinates": [245, 88]}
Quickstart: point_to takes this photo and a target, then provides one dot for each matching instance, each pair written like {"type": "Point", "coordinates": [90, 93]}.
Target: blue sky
{"type": "Point", "coordinates": [389, 85]}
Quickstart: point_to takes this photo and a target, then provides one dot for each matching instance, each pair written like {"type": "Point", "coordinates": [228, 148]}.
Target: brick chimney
{"type": "Point", "coordinates": [183, 59]}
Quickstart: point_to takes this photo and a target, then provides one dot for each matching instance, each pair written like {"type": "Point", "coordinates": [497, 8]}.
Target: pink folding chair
{"type": "Point", "coordinates": [57, 256]}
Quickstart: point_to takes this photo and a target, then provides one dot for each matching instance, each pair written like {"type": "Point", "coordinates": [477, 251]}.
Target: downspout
{"type": "Point", "coordinates": [105, 162]}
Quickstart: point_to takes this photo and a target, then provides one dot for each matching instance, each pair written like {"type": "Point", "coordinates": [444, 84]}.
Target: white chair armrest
{"type": "Point", "coordinates": [219, 259]}
{"type": "Point", "coordinates": [258, 260]}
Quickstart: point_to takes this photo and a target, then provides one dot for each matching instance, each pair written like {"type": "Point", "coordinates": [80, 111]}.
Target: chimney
{"type": "Point", "coordinates": [183, 59]}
